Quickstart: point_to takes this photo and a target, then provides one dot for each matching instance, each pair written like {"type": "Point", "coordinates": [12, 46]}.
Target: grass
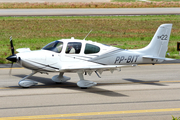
{"type": "Point", "coordinates": [116, 4]}
{"type": "Point", "coordinates": [127, 32]}
{"type": "Point", "coordinates": [175, 118]}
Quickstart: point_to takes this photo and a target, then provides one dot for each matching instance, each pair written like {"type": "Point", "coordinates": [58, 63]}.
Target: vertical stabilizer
{"type": "Point", "coordinates": [159, 43]}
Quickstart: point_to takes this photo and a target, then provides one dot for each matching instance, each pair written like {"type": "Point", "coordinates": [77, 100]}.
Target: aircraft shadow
{"type": "Point", "coordinates": [154, 82]}
{"type": "Point", "coordinates": [48, 83]}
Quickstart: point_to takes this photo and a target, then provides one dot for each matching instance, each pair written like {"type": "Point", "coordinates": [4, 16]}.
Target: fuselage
{"type": "Point", "coordinates": [54, 56]}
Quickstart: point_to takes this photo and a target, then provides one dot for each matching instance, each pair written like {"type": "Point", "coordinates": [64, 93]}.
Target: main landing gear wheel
{"type": "Point", "coordinates": [60, 78]}
{"type": "Point", "coordinates": [84, 84]}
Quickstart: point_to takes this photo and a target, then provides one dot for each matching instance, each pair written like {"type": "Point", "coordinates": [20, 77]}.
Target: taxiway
{"type": "Point", "coordinates": [89, 12]}
{"type": "Point", "coordinates": [143, 92]}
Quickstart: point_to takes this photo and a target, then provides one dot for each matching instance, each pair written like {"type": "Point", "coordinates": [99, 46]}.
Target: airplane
{"type": "Point", "coordinates": [85, 57]}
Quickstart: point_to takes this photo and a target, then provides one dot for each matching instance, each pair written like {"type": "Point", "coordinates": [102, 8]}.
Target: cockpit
{"type": "Point", "coordinates": [72, 47]}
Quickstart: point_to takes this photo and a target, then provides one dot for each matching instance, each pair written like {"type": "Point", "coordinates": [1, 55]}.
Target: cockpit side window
{"type": "Point", "coordinates": [73, 48]}
{"type": "Point", "coordinates": [55, 46]}
{"type": "Point", "coordinates": [59, 47]}
{"type": "Point", "coordinates": [91, 49]}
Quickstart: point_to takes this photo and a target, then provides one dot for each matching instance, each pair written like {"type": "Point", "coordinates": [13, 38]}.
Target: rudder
{"type": "Point", "coordinates": [159, 43]}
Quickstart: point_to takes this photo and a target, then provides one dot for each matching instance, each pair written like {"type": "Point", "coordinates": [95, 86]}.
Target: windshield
{"type": "Point", "coordinates": [55, 46]}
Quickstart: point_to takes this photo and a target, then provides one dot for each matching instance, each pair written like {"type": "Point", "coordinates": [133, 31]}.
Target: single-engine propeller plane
{"type": "Point", "coordinates": [84, 57]}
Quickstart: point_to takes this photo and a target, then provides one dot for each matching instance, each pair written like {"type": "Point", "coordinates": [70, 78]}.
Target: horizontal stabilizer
{"type": "Point", "coordinates": [158, 58]}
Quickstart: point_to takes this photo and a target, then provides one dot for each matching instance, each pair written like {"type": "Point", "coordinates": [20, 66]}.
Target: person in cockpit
{"type": "Point", "coordinates": [70, 49]}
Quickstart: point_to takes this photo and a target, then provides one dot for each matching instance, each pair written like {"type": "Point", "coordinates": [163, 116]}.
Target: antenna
{"type": "Point", "coordinates": [87, 34]}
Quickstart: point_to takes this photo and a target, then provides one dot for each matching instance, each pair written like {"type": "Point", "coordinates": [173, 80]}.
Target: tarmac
{"type": "Point", "coordinates": [149, 92]}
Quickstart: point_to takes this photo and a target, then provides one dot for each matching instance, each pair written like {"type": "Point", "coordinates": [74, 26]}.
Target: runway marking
{"type": "Point", "coordinates": [11, 68]}
{"type": "Point", "coordinates": [92, 114]}
{"type": "Point", "coordinates": [5, 88]}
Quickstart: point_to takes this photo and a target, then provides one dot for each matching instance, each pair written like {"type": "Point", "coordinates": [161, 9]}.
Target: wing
{"type": "Point", "coordinates": [90, 69]}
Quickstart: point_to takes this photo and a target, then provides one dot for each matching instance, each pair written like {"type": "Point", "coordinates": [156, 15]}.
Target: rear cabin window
{"type": "Point", "coordinates": [73, 48]}
{"type": "Point", "coordinates": [91, 49]}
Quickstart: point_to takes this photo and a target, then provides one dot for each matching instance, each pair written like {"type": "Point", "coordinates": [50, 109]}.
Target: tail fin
{"type": "Point", "coordinates": [159, 43]}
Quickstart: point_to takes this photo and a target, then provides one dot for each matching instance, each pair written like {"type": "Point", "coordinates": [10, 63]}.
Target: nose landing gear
{"type": "Point", "coordinates": [27, 83]}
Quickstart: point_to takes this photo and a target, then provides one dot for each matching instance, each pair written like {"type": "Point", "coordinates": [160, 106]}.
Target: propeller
{"type": "Point", "coordinates": [12, 47]}
{"type": "Point", "coordinates": [13, 57]}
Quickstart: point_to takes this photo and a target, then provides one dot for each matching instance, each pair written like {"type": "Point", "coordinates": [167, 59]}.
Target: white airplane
{"type": "Point", "coordinates": [84, 57]}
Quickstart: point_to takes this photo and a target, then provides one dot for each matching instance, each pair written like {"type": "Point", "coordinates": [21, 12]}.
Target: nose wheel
{"type": "Point", "coordinates": [27, 83]}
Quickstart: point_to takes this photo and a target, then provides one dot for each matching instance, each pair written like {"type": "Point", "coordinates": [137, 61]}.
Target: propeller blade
{"type": "Point", "coordinates": [11, 68]}
{"type": "Point", "coordinates": [13, 57]}
{"type": "Point", "coordinates": [12, 47]}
